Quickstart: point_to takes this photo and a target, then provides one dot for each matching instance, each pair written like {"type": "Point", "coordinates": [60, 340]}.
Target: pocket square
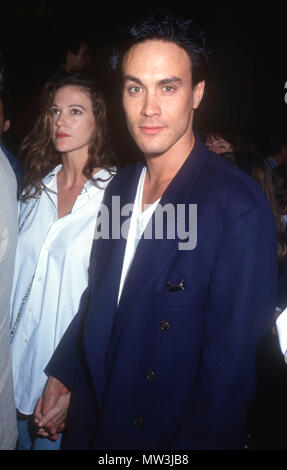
{"type": "Point", "coordinates": [175, 287]}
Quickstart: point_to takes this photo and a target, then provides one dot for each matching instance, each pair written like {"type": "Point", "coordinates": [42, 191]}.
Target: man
{"type": "Point", "coordinates": [74, 56]}
{"type": "Point", "coordinates": [77, 56]}
{"type": "Point", "coordinates": [8, 240]}
{"type": "Point", "coordinates": [162, 352]}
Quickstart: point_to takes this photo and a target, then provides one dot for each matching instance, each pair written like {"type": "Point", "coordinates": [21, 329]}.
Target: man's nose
{"type": "Point", "coordinates": [151, 105]}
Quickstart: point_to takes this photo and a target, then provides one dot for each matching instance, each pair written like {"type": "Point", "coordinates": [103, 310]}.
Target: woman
{"type": "Point", "coordinates": [68, 164]}
{"type": "Point", "coordinates": [223, 140]}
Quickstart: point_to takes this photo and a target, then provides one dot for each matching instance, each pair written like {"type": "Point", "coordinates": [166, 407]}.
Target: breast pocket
{"type": "Point", "coordinates": [176, 295]}
{"type": "Point", "coordinates": [179, 313]}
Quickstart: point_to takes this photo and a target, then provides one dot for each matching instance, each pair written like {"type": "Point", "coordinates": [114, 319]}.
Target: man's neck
{"type": "Point", "coordinates": [161, 170]}
{"type": "Point", "coordinates": [165, 166]}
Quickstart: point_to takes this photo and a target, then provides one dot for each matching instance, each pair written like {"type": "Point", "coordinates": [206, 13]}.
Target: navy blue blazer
{"type": "Point", "coordinates": [174, 369]}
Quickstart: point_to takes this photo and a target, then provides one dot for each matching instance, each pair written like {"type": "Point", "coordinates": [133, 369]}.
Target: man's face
{"type": "Point", "coordinates": [4, 123]}
{"type": "Point", "coordinates": [80, 60]}
{"type": "Point", "coordinates": [158, 98]}
{"type": "Point", "coordinates": [83, 56]}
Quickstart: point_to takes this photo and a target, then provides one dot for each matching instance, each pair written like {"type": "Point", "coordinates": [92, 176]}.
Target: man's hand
{"type": "Point", "coordinates": [51, 410]}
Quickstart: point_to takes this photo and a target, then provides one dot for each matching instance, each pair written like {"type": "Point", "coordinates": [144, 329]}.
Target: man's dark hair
{"type": "Point", "coordinates": [69, 44]}
{"type": "Point", "coordinates": [163, 25]}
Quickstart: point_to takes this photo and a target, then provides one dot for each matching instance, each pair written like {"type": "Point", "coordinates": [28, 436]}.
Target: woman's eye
{"type": "Point", "coordinates": [76, 111]}
{"type": "Point", "coordinates": [55, 111]}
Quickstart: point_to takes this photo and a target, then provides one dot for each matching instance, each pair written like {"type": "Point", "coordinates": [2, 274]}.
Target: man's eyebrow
{"type": "Point", "coordinates": [164, 81]}
{"type": "Point", "coordinates": [131, 78]}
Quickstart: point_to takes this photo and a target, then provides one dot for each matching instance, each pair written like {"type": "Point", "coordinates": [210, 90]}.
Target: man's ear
{"type": "Point", "coordinates": [198, 92]}
{"type": "Point", "coordinates": [6, 125]}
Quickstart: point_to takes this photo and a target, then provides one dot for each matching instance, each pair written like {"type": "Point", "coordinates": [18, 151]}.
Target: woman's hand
{"type": "Point", "coordinates": [52, 408]}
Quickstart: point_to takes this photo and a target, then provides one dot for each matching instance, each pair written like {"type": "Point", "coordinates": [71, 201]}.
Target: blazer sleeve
{"type": "Point", "coordinates": [238, 312]}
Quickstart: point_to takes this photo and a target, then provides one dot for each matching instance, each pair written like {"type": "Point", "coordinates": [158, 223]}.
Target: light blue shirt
{"type": "Point", "coordinates": [271, 162]}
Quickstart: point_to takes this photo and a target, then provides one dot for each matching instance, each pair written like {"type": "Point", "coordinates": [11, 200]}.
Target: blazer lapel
{"type": "Point", "coordinates": [152, 255]}
{"type": "Point", "coordinates": [99, 322]}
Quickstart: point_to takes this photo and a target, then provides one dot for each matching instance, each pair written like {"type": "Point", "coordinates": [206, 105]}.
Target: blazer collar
{"type": "Point", "coordinates": [149, 252]}
{"type": "Point", "coordinates": [152, 255]}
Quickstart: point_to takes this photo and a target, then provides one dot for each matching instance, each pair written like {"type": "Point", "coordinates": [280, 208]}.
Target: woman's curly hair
{"type": "Point", "coordinates": [38, 150]}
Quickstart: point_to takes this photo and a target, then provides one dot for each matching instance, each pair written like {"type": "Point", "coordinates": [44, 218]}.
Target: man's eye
{"type": "Point", "coordinates": [133, 90]}
{"type": "Point", "coordinates": [168, 88]}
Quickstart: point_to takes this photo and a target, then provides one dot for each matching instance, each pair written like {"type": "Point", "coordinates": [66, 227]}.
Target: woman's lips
{"type": "Point", "coordinates": [60, 135]}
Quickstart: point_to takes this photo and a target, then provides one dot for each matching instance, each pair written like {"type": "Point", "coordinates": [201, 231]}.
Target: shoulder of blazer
{"type": "Point", "coordinates": [125, 177]}
{"type": "Point", "coordinates": [226, 185]}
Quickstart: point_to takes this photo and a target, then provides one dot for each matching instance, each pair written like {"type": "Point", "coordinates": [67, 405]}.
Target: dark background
{"type": "Point", "coordinates": [245, 89]}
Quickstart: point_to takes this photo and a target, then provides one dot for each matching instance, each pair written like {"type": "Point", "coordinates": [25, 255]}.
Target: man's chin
{"type": "Point", "coordinates": [152, 151]}
{"type": "Point", "coordinates": [149, 156]}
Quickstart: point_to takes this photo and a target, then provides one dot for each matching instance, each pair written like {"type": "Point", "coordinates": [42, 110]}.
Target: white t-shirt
{"type": "Point", "coordinates": [139, 221]}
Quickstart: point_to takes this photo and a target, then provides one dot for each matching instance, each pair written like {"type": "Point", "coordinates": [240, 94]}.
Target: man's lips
{"type": "Point", "coordinates": [60, 135]}
{"type": "Point", "coordinates": [151, 130]}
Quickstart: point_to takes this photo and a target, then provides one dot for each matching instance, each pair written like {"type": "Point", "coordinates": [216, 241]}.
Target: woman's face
{"type": "Point", "coordinates": [218, 145]}
{"type": "Point", "coordinates": [72, 119]}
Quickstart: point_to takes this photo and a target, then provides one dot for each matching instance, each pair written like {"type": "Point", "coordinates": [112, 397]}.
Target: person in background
{"type": "Point", "coordinates": [255, 165]}
{"type": "Point", "coordinates": [77, 56]}
{"type": "Point", "coordinates": [161, 354]}
{"type": "Point", "coordinates": [222, 140]}
{"type": "Point", "coordinates": [73, 56]}
{"type": "Point", "coordinates": [279, 175]}
{"type": "Point", "coordinates": [267, 414]}
{"type": "Point", "coordinates": [68, 164]}
{"type": "Point", "coordinates": [277, 148]}
{"type": "Point", "coordinates": [5, 123]}
{"type": "Point", "coordinates": [8, 242]}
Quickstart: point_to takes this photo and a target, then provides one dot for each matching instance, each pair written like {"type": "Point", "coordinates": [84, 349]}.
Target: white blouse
{"type": "Point", "coordinates": [51, 273]}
